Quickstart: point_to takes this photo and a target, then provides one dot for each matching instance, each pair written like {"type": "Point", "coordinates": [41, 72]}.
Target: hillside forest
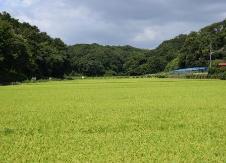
{"type": "Point", "coordinates": [26, 52]}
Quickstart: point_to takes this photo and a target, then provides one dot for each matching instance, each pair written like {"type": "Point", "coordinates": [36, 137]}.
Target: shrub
{"type": "Point", "coordinates": [222, 76]}
{"type": "Point", "coordinates": [11, 77]}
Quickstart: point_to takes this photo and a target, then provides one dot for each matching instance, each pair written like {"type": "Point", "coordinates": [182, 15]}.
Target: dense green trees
{"type": "Point", "coordinates": [14, 55]}
{"type": "Point", "coordinates": [197, 46]}
{"type": "Point", "coordinates": [97, 60]}
{"type": "Point", "coordinates": [25, 52]}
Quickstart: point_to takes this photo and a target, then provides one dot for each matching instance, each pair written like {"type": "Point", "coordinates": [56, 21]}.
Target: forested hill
{"type": "Point", "coordinates": [25, 52]}
{"type": "Point", "coordinates": [95, 59]}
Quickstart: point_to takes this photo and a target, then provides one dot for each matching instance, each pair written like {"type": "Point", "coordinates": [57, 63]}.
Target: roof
{"type": "Point", "coordinates": [222, 64]}
{"type": "Point", "coordinates": [192, 69]}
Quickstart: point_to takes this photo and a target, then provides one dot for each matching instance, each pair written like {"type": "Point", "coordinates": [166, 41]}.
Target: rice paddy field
{"type": "Point", "coordinates": [114, 120]}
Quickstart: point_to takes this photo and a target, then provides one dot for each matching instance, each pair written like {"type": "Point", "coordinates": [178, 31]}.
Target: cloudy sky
{"type": "Point", "coordinates": [140, 23]}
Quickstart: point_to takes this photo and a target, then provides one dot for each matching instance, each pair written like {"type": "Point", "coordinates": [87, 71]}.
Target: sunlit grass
{"type": "Point", "coordinates": [114, 120]}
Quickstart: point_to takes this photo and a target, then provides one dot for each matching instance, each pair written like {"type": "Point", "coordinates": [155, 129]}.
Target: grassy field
{"type": "Point", "coordinates": [114, 120]}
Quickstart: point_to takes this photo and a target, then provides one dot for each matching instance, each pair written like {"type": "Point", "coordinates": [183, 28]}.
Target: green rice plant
{"type": "Point", "coordinates": [114, 120]}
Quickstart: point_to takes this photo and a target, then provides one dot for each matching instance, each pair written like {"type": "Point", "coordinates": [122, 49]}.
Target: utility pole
{"type": "Point", "coordinates": [211, 53]}
{"type": "Point", "coordinates": [211, 46]}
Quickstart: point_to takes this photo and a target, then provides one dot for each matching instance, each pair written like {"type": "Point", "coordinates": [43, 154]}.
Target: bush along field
{"type": "Point", "coordinates": [114, 120]}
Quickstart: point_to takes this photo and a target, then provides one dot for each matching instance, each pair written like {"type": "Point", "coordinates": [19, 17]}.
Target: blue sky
{"type": "Point", "coordinates": [140, 23]}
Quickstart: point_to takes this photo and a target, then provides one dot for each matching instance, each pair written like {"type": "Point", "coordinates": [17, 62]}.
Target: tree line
{"type": "Point", "coordinates": [26, 52]}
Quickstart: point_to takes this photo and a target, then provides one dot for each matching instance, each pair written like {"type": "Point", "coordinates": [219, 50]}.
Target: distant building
{"type": "Point", "coordinates": [190, 70]}
{"type": "Point", "coordinates": [222, 64]}
{"type": "Point", "coordinates": [33, 78]}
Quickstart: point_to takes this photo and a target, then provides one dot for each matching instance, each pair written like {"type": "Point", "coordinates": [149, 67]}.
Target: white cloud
{"type": "Point", "coordinates": [148, 34]}
{"type": "Point", "coordinates": [223, 15]}
{"type": "Point", "coordinates": [28, 2]}
{"type": "Point", "coordinates": [18, 3]}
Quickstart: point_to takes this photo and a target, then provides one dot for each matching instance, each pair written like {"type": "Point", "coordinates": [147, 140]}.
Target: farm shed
{"type": "Point", "coordinates": [222, 64]}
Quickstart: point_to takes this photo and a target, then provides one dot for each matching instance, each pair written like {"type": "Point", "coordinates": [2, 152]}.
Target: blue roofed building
{"type": "Point", "coordinates": [191, 70]}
